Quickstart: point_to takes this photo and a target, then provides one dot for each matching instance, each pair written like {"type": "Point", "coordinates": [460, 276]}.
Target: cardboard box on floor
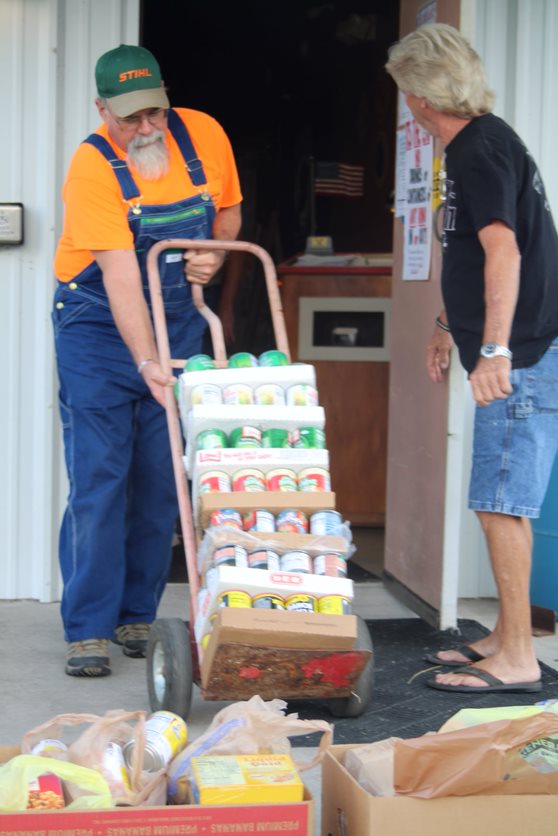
{"type": "Point", "coordinates": [348, 810]}
{"type": "Point", "coordinates": [293, 818]}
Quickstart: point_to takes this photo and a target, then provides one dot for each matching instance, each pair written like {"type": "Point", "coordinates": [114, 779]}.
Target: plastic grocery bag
{"type": "Point", "coordinates": [17, 773]}
{"type": "Point", "coordinates": [505, 757]}
{"type": "Point", "coordinates": [472, 716]}
{"type": "Point", "coordinates": [89, 750]}
{"type": "Point", "coordinates": [246, 728]}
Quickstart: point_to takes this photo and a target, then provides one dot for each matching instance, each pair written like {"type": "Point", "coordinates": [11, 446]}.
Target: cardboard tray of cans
{"type": "Point", "coordinates": [274, 501]}
{"type": "Point", "coordinates": [226, 417]}
{"type": "Point", "coordinates": [284, 376]}
{"type": "Point", "coordinates": [230, 459]}
{"type": "Point", "coordinates": [257, 582]}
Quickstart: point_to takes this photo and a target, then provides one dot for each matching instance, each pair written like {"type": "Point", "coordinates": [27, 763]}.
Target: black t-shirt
{"type": "Point", "coordinates": [491, 176]}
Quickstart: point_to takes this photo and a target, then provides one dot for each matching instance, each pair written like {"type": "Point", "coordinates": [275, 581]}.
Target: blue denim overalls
{"type": "Point", "coordinates": [116, 535]}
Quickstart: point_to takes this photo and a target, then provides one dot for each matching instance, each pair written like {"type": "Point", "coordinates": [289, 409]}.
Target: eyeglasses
{"type": "Point", "coordinates": [133, 122]}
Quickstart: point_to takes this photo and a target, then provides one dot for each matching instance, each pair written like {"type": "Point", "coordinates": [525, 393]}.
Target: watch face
{"type": "Point", "coordinates": [488, 350]}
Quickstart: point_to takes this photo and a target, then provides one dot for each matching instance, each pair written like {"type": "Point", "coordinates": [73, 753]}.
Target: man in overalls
{"type": "Point", "coordinates": [148, 173]}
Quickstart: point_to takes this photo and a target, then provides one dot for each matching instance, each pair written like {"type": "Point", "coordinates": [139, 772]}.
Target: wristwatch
{"type": "Point", "coordinates": [494, 350]}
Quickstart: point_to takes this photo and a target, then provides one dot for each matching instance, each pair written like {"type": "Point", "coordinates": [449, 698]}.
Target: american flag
{"type": "Point", "coordinates": [339, 179]}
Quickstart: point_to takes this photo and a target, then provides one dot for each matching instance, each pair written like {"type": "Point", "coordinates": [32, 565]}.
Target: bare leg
{"type": "Point", "coordinates": [510, 646]}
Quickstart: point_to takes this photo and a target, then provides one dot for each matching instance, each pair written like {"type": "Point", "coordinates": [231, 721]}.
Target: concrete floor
{"type": "Point", "coordinates": [34, 687]}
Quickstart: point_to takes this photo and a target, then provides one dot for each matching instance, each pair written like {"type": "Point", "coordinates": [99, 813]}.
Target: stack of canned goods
{"type": "Point", "coordinates": [242, 359]}
{"type": "Point", "coordinates": [252, 479]}
{"type": "Point", "coordinates": [289, 520]}
{"type": "Point", "coordinates": [297, 602]}
{"type": "Point", "coordinates": [266, 394]}
{"type": "Point", "coordinates": [254, 437]}
{"type": "Point", "coordinates": [331, 564]}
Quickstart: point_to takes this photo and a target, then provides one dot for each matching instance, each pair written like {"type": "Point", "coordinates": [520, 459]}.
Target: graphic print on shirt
{"type": "Point", "coordinates": [450, 212]}
{"type": "Point", "coordinates": [538, 186]}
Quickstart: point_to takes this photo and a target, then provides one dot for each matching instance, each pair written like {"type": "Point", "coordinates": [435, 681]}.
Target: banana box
{"type": "Point", "coordinates": [245, 779]}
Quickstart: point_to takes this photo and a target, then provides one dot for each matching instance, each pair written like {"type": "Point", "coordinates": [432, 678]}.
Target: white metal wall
{"type": "Point", "coordinates": [48, 50]}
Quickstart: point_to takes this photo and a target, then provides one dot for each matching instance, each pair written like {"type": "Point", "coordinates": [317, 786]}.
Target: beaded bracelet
{"type": "Point", "coordinates": [442, 325]}
{"type": "Point", "coordinates": [144, 363]}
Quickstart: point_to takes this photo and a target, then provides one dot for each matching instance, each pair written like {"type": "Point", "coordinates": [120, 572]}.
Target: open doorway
{"type": "Point", "coordinates": [294, 84]}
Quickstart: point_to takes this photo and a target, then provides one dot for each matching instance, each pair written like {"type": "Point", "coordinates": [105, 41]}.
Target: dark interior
{"type": "Point", "coordinates": [295, 84]}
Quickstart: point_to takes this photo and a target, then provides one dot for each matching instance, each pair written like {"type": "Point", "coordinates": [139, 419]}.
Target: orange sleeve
{"type": "Point", "coordinates": [95, 213]}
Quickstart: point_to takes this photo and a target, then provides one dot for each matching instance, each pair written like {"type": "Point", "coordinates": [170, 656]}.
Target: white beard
{"type": "Point", "coordinates": [149, 155]}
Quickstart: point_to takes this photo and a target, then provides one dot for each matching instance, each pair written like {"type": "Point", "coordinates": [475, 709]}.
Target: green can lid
{"type": "Point", "coordinates": [242, 359]}
{"type": "Point", "coordinates": [274, 357]}
{"type": "Point", "coordinates": [275, 437]}
{"type": "Point", "coordinates": [211, 439]}
{"type": "Point", "coordinates": [199, 362]}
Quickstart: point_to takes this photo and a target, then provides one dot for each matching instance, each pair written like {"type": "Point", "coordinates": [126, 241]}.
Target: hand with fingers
{"type": "Point", "coordinates": [438, 354]}
{"type": "Point", "coordinates": [490, 380]}
{"type": "Point", "coordinates": [201, 265]}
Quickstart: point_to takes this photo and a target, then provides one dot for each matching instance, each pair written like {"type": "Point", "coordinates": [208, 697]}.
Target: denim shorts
{"type": "Point", "coordinates": [515, 442]}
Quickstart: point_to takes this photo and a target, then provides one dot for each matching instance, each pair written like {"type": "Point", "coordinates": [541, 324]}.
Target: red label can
{"type": "Point", "coordinates": [226, 516]}
{"type": "Point", "coordinates": [313, 479]}
{"type": "Point", "coordinates": [332, 565]}
{"type": "Point", "coordinates": [230, 555]}
{"type": "Point", "coordinates": [214, 481]}
{"type": "Point", "coordinates": [249, 479]}
{"type": "Point", "coordinates": [264, 559]}
{"type": "Point", "coordinates": [281, 479]}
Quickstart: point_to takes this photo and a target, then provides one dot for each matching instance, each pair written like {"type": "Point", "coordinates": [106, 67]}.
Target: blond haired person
{"type": "Point", "coordinates": [500, 293]}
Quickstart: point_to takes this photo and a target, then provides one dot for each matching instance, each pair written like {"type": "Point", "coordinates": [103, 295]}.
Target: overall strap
{"type": "Point", "coordinates": [180, 133]}
{"type": "Point", "coordinates": [120, 168]}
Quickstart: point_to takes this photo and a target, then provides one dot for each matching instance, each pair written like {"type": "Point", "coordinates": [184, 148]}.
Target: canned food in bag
{"type": "Point", "coordinates": [230, 555]}
{"type": "Point", "coordinates": [332, 565]}
{"type": "Point", "coordinates": [264, 559]}
{"type": "Point", "coordinates": [325, 522]}
{"type": "Point", "coordinates": [166, 735]}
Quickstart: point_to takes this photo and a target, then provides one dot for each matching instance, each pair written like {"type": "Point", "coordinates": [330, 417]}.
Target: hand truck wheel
{"type": "Point", "coordinates": [354, 705]}
{"type": "Point", "coordinates": [169, 666]}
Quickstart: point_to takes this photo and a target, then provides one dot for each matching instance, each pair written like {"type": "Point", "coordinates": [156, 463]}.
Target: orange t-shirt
{"type": "Point", "coordinates": [95, 216]}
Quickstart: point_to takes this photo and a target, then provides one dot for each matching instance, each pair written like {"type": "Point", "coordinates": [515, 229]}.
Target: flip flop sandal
{"type": "Point", "coordinates": [493, 684]}
{"type": "Point", "coordinates": [465, 650]}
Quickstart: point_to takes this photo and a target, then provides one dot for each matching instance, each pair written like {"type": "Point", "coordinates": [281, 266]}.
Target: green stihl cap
{"type": "Point", "coordinates": [130, 79]}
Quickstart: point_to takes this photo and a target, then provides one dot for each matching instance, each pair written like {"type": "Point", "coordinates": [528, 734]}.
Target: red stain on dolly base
{"type": "Point", "coordinates": [251, 672]}
{"type": "Point", "coordinates": [334, 670]}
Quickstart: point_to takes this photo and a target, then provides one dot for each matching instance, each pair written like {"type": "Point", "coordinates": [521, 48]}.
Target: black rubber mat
{"type": "Point", "coordinates": [402, 705]}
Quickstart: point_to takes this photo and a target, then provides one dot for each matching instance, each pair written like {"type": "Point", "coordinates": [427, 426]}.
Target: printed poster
{"type": "Point", "coordinates": [417, 219]}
